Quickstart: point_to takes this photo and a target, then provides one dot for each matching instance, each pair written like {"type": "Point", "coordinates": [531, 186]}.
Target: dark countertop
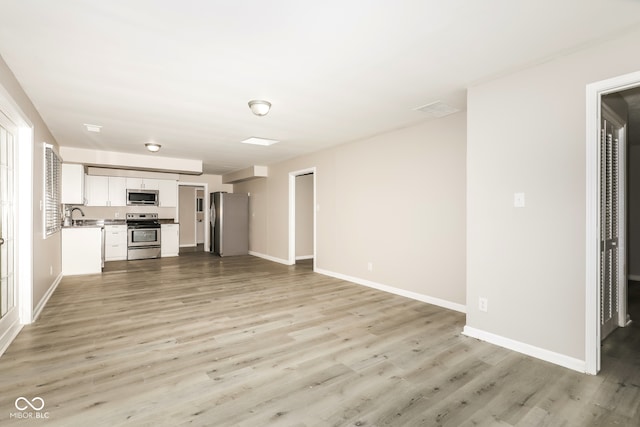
{"type": "Point", "coordinates": [79, 222]}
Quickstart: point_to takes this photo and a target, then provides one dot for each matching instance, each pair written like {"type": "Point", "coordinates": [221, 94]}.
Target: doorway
{"type": "Point", "coordinates": [302, 216]}
{"type": "Point", "coordinates": [193, 215]}
{"type": "Point", "coordinates": [613, 201]}
{"type": "Point", "coordinates": [607, 228]}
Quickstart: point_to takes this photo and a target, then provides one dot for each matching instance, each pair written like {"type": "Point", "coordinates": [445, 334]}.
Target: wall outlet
{"type": "Point", "coordinates": [483, 304]}
{"type": "Point", "coordinates": [51, 270]}
{"type": "Point", "coordinates": [370, 266]}
{"type": "Point", "coordinates": [518, 200]}
{"type": "Point", "coordinates": [117, 214]}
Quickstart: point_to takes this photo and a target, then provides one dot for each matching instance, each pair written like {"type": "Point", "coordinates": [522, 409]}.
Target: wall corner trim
{"type": "Point", "coordinates": [527, 349]}
{"type": "Point", "coordinates": [270, 258]}
{"type": "Point", "coordinates": [8, 337]}
{"type": "Point", "coordinates": [392, 290]}
{"type": "Point", "coordinates": [45, 298]}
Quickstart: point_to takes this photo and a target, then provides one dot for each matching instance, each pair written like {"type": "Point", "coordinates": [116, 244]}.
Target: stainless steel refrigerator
{"type": "Point", "coordinates": [229, 223]}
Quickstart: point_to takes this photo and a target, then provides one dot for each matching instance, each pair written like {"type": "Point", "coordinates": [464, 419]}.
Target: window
{"type": "Point", "coordinates": [52, 207]}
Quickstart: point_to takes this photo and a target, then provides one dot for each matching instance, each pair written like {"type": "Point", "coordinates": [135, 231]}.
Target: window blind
{"type": "Point", "coordinates": [52, 207]}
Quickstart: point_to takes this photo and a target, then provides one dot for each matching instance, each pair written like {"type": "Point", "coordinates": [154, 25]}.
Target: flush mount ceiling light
{"type": "Point", "coordinates": [259, 141]}
{"type": "Point", "coordinates": [92, 128]}
{"type": "Point", "coordinates": [259, 107]}
{"type": "Point", "coordinates": [153, 147]}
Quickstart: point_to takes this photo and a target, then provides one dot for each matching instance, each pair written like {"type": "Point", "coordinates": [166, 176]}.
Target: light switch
{"type": "Point", "coordinates": [518, 200]}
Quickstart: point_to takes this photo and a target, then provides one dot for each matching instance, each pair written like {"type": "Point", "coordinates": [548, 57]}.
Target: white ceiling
{"type": "Point", "coordinates": [180, 73]}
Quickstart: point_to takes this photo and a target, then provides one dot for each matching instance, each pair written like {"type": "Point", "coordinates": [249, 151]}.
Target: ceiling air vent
{"type": "Point", "coordinates": [437, 109]}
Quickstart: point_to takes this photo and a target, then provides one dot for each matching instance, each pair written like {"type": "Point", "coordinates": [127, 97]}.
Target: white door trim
{"type": "Point", "coordinates": [205, 209]}
{"type": "Point", "coordinates": [292, 213]}
{"type": "Point", "coordinates": [23, 215]}
{"type": "Point", "coordinates": [594, 92]}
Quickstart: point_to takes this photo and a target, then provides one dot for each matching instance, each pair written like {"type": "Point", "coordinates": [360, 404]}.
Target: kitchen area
{"type": "Point", "coordinates": [115, 215]}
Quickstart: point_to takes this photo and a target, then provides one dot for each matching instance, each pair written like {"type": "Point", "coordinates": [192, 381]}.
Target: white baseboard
{"type": "Point", "coordinates": [270, 258]}
{"type": "Point", "coordinates": [408, 294]}
{"type": "Point", "coordinates": [188, 245]}
{"type": "Point", "coordinates": [528, 349]}
{"type": "Point", "coordinates": [7, 338]}
{"type": "Point", "coordinates": [45, 298]}
{"type": "Point", "coordinates": [634, 277]}
{"type": "Point", "coordinates": [302, 257]}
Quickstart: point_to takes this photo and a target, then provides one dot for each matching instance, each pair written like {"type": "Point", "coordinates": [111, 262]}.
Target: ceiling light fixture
{"type": "Point", "coordinates": [259, 107]}
{"type": "Point", "coordinates": [153, 147]}
{"type": "Point", "coordinates": [259, 141]}
{"type": "Point", "coordinates": [93, 128]}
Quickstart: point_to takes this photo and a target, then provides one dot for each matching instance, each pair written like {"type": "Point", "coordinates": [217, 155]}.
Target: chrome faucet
{"type": "Point", "coordinates": [71, 214]}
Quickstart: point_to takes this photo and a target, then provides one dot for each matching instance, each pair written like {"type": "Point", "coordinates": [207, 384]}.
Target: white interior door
{"type": "Point", "coordinates": [612, 272]}
{"type": "Point", "coordinates": [8, 295]}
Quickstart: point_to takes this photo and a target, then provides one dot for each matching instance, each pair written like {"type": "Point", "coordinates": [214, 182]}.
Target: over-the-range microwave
{"type": "Point", "coordinates": [142, 197]}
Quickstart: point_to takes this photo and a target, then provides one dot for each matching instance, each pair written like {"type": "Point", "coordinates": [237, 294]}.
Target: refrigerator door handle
{"type": "Point", "coordinates": [213, 215]}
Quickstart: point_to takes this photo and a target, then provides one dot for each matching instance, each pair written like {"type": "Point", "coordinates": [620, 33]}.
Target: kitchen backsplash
{"type": "Point", "coordinates": [105, 212]}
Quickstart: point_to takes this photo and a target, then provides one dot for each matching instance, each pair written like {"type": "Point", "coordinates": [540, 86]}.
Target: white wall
{"type": "Point", "coordinates": [526, 133]}
{"type": "Point", "coordinates": [187, 215]}
{"type": "Point", "coordinates": [304, 216]}
{"type": "Point", "coordinates": [396, 200]}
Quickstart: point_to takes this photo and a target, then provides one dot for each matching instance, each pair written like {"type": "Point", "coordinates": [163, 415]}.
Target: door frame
{"type": "Point", "coordinates": [23, 216]}
{"type": "Point", "coordinates": [206, 210]}
{"type": "Point", "coordinates": [292, 213]}
{"type": "Point", "coordinates": [594, 93]}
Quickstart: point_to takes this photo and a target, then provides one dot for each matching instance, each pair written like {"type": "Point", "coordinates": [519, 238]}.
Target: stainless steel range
{"type": "Point", "coordinates": [143, 231]}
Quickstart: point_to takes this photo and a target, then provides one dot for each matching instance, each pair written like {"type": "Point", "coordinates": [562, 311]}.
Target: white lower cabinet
{"type": "Point", "coordinates": [115, 242]}
{"type": "Point", "coordinates": [169, 240]}
{"type": "Point", "coordinates": [81, 250]}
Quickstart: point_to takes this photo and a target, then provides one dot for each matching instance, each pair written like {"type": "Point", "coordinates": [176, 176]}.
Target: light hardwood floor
{"type": "Point", "coordinates": [240, 341]}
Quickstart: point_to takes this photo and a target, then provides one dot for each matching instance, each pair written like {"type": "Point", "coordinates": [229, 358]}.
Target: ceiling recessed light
{"type": "Point", "coordinates": [93, 128]}
{"type": "Point", "coordinates": [259, 141]}
{"type": "Point", "coordinates": [153, 147]}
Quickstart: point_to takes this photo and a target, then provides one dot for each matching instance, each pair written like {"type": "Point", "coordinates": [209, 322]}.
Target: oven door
{"type": "Point", "coordinates": [141, 236]}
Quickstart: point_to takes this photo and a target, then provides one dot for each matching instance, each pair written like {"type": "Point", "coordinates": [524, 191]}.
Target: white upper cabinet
{"type": "Point", "coordinates": [134, 183]}
{"type": "Point", "coordinates": [105, 190]}
{"type": "Point", "coordinates": [168, 191]}
{"type": "Point", "coordinates": [142, 184]}
{"type": "Point", "coordinates": [97, 190]}
{"type": "Point", "coordinates": [112, 190]}
{"type": "Point", "coordinates": [72, 184]}
{"type": "Point", "coordinates": [117, 191]}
